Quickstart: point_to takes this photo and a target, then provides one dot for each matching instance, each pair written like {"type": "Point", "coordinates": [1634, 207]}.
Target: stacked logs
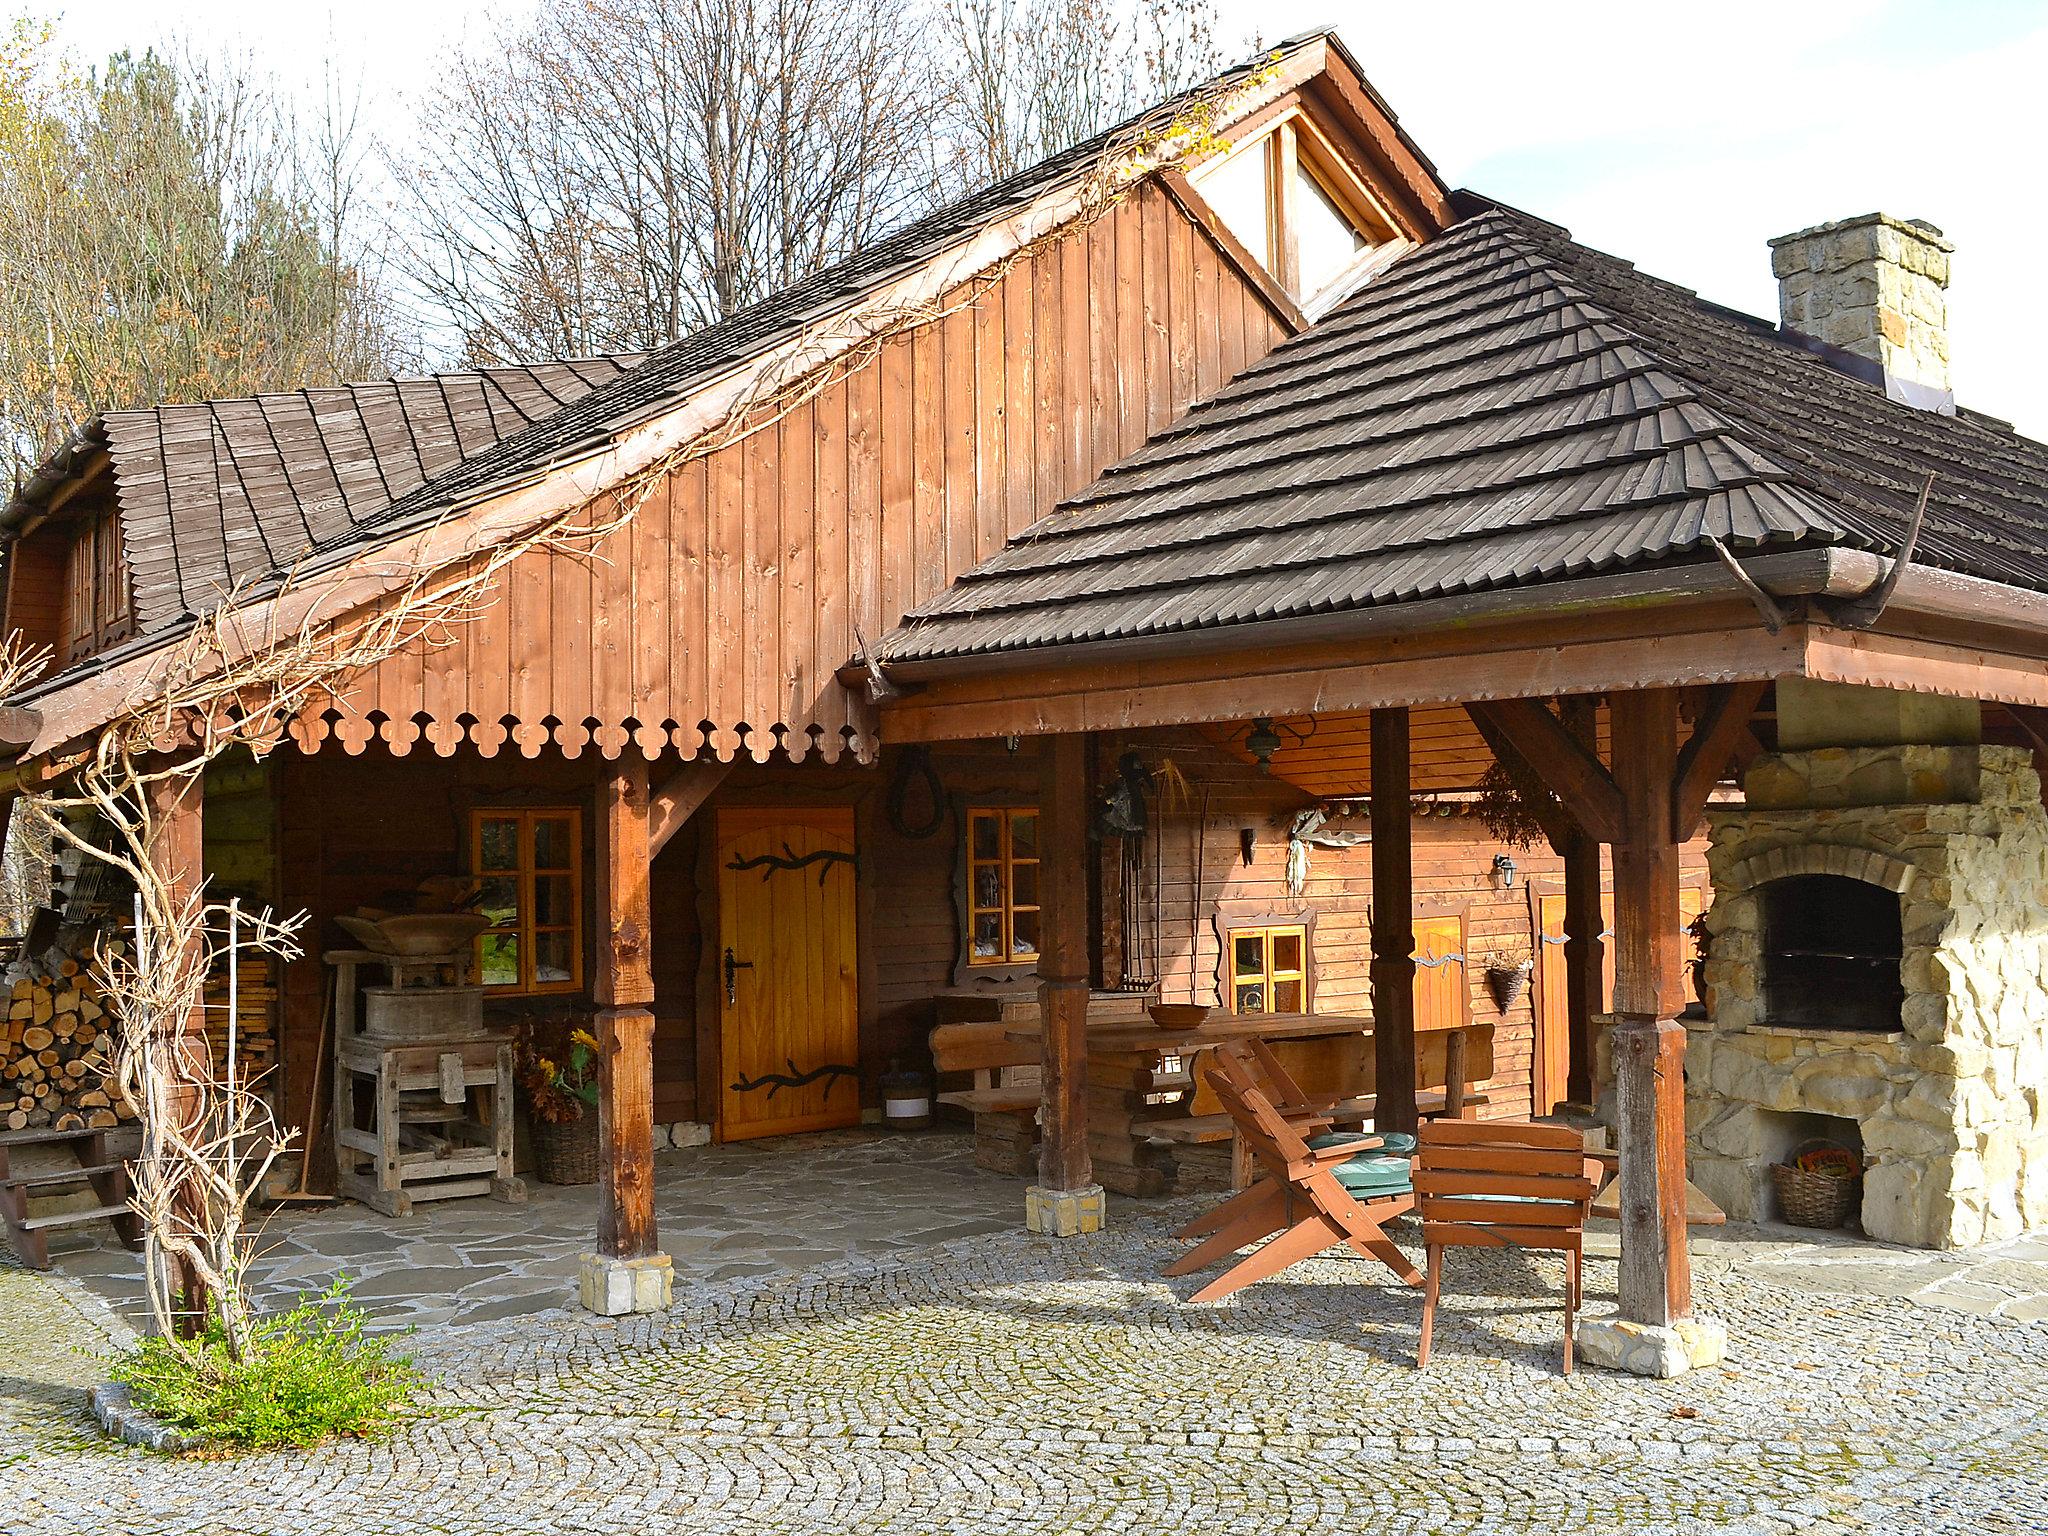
{"type": "Point", "coordinates": [54, 1054]}
{"type": "Point", "coordinates": [255, 1021]}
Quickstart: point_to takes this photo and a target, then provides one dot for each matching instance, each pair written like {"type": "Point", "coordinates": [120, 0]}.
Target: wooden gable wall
{"type": "Point", "coordinates": [720, 615]}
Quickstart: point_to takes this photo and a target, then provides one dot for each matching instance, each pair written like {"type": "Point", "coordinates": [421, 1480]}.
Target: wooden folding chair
{"type": "Point", "coordinates": [1249, 1064]}
{"type": "Point", "coordinates": [1503, 1184]}
{"type": "Point", "coordinates": [1305, 1201]}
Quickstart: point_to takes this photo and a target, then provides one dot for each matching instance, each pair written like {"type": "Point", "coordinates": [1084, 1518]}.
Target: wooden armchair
{"type": "Point", "coordinates": [1503, 1184]}
{"type": "Point", "coordinates": [1306, 1199]}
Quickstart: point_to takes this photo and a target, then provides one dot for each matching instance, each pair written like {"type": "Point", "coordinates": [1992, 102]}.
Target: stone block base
{"type": "Point", "coordinates": [1064, 1212]}
{"type": "Point", "coordinates": [1645, 1349]}
{"type": "Point", "coordinates": [682, 1135]}
{"type": "Point", "coordinates": [621, 1287]}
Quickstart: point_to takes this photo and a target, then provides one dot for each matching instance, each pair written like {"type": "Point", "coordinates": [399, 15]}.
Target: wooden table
{"type": "Point", "coordinates": [1142, 1079]}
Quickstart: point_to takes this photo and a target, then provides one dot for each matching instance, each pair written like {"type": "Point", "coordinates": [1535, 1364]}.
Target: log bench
{"type": "Point", "coordinates": [1004, 1099]}
{"type": "Point", "coordinates": [105, 1173]}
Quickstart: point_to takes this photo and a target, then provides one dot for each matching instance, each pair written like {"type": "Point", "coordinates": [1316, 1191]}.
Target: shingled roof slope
{"type": "Point", "coordinates": [1501, 407]}
{"type": "Point", "coordinates": [223, 492]}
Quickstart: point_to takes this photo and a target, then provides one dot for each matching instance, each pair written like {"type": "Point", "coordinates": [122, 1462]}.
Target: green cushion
{"type": "Point", "coordinates": [1371, 1175]}
{"type": "Point", "coordinates": [1397, 1143]}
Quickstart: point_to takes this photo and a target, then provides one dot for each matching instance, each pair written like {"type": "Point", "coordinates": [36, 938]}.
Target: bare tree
{"type": "Point", "coordinates": [1025, 79]}
{"type": "Point", "coordinates": [612, 174]}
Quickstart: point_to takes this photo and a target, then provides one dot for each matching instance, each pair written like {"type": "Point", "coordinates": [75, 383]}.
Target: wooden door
{"type": "Point", "coordinates": [1443, 997]}
{"type": "Point", "coordinates": [1553, 1047]}
{"type": "Point", "coordinates": [789, 1056]}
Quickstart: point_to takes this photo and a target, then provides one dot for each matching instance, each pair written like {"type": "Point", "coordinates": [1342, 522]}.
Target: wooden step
{"type": "Point", "coordinates": [73, 1218]}
{"type": "Point", "coordinates": [56, 1176]}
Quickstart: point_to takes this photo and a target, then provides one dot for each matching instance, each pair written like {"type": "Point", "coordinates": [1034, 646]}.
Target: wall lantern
{"type": "Point", "coordinates": [1504, 871]}
{"type": "Point", "coordinates": [1264, 739]}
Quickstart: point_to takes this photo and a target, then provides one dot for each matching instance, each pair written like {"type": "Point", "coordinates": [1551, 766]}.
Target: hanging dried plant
{"type": "Point", "coordinates": [1512, 806]}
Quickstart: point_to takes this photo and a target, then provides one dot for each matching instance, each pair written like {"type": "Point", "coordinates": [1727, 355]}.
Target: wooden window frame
{"type": "Point", "coordinates": [1009, 968]}
{"type": "Point", "coordinates": [1292, 141]}
{"type": "Point", "coordinates": [524, 929]}
{"type": "Point", "coordinates": [1266, 926]}
{"type": "Point", "coordinates": [94, 608]}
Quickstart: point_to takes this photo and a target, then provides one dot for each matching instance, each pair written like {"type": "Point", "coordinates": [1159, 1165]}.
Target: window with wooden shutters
{"type": "Point", "coordinates": [1443, 996]}
{"type": "Point", "coordinates": [94, 609]}
{"type": "Point", "coordinates": [1269, 969]}
{"type": "Point", "coordinates": [529, 861]}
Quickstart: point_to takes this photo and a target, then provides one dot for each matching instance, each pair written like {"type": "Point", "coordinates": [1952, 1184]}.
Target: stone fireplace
{"type": "Point", "coordinates": [1879, 977]}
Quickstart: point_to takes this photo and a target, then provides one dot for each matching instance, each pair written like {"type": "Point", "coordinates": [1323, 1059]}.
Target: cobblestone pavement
{"type": "Point", "coordinates": [1002, 1383]}
{"type": "Point", "coordinates": [726, 1212]}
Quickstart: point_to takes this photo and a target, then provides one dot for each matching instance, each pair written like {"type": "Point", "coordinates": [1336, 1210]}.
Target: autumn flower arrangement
{"type": "Point", "coordinates": [560, 1091]}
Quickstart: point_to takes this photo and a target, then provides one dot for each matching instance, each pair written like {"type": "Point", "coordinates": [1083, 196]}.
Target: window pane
{"type": "Point", "coordinates": [1287, 997]}
{"type": "Point", "coordinates": [1324, 236]}
{"type": "Point", "coordinates": [552, 900]}
{"type": "Point", "coordinates": [1023, 834]}
{"type": "Point", "coordinates": [1249, 950]}
{"type": "Point", "coordinates": [1239, 191]}
{"type": "Point", "coordinates": [500, 900]}
{"type": "Point", "coordinates": [498, 960]}
{"type": "Point", "coordinates": [986, 841]}
{"type": "Point", "coordinates": [1024, 885]}
{"type": "Point", "coordinates": [988, 936]}
{"type": "Point", "coordinates": [988, 885]}
{"type": "Point", "coordinates": [552, 960]}
{"type": "Point", "coordinates": [1286, 952]}
{"type": "Point", "coordinates": [1251, 998]}
{"type": "Point", "coordinates": [1024, 934]}
{"type": "Point", "coordinates": [500, 843]}
{"type": "Point", "coordinates": [551, 848]}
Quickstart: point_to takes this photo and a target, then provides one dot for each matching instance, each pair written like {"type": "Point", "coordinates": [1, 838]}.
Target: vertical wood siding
{"type": "Point", "coordinates": [719, 617]}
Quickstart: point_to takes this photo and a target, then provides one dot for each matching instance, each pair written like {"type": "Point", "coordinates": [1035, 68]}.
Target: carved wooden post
{"type": "Point", "coordinates": [627, 1273]}
{"type": "Point", "coordinates": [1649, 1043]}
{"type": "Point", "coordinates": [177, 804]}
{"type": "Point", "coordinates": [1066, 1201]}
{"type": "Point", "coordinates": [1582, 948]}
{"type": "Point", "coordinates": [1393, 927]}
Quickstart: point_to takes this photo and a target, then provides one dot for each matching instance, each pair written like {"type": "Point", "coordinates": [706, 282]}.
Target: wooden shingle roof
{"type": "Point", "coordinates": [221, 493]}
{"type": "Point", "coordinates": [1502, 407]}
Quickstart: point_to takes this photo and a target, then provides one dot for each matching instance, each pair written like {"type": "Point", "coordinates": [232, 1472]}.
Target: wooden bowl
{"type": "Point", "coordinates": [1178, 1015]}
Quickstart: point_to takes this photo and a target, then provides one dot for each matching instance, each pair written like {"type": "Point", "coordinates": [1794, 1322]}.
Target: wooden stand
{"type": "Point", "coordinates": [107, 1175]}
{"type": "Point", "coordinates": [440, 1123]}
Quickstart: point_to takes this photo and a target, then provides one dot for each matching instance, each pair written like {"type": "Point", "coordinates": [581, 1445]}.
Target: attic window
{"type": "Point", "coordinates": [1295, 207]}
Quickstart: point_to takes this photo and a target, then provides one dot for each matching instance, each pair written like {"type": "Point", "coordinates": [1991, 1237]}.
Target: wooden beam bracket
{"type": "Point", "coordinates": [1575, 775]}
{"type": "Point", "coordinates": [679, 798]}
{"type": "Point", "coordinates": [1716, 737]}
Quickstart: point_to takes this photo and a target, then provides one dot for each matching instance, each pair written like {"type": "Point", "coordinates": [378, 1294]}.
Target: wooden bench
{"type": "Point", "coordinates": [108, 1176]}
{"type": "Point", "coordinates": [1004, 1109]}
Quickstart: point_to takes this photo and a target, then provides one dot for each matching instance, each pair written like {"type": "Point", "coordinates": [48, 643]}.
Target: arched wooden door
{"type": "Point", "coordinates": [788, 990]}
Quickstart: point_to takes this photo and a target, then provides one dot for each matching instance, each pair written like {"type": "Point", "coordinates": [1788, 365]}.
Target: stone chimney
{"type": "Point", "coordinates": [1875, 288]}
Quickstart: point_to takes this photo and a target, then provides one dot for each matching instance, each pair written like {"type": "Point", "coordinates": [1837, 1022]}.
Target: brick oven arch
{"type": "Point", "coordinates": [1822, 859]}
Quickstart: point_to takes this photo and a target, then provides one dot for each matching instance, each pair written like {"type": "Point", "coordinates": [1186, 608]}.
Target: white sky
{"type": "Point", "coordinates": [1680, 136]}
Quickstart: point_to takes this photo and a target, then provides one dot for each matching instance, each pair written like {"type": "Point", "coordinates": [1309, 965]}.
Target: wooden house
{"type": "Point", "coordinates": [1280, 462]}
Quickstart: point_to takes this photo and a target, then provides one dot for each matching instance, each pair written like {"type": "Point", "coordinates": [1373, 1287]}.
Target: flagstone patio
{"type": "Point", "coordinates": [894, 1372]}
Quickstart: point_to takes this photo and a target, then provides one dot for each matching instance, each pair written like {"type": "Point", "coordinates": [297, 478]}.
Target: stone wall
{"type": "Point", "coordinates": [1952, 1108]}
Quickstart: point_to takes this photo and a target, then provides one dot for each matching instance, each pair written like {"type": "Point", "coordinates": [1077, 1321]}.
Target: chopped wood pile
{"type": "Point", "coordinates": [55, 1052]}
{"type": "Point", "coordinates": [255, 1021]}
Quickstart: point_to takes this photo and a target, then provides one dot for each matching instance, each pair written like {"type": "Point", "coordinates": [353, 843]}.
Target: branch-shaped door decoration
{"type": "Point", "coordinates": [789, 858]}
{"type": "Point", "coordinates": [775, 1082]}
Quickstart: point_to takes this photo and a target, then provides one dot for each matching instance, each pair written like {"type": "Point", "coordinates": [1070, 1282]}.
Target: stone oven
{"type": "Point", "coordinates": [1879, 958]}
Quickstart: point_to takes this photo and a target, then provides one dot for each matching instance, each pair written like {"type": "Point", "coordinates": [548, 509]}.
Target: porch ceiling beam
{"type": "Point", "coordinates": [1578, 778]}
{"type": "Point", "coordinates": [1721, 725]}
{"type": "Point", "coordinates": [2033, 724]}
{"type": "Point", "coordinates": [681, 795]}
{"type": "Point", "coordinates": [1556, 822]}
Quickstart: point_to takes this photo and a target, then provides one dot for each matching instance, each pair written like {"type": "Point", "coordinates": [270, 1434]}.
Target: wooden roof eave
{"type": "Point", "coordinates": [1678, 627]}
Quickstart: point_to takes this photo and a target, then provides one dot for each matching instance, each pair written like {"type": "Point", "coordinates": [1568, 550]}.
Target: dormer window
{"type": "Point", "coordinates": [1296, 207]}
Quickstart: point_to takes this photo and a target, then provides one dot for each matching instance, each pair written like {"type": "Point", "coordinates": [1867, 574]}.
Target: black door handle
{"type": "Point", "coordinates": [732, 969]}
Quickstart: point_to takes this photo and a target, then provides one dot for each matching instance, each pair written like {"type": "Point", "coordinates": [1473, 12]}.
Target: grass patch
{"type": "Point", "coordinates": [310, 1374]}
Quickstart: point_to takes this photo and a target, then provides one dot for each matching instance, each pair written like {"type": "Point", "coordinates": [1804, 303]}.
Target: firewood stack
{"type": "Point", "coordinates": [255, 1020]}
{"type": "Point", "coordinates": [55, 1052]}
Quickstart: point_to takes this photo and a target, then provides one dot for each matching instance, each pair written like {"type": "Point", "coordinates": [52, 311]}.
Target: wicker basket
{"type": "Point", "coordinates": [566, 1153]}
{"type": "Point", "coordinates": [1814, 1197]}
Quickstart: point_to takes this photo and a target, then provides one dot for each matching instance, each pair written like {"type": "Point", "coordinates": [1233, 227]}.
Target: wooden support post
{"type": "Point", "coordinates": [1393, 926]}
{"type": "Point", "coordinates": [176, 807]}
{"type": "Point", "coordinates": [1066, 1201]}
{"type": "Point", "coordinates": [1584, 971]}
{"type": "Point", "coordinates": [1649, 1043]}
{"type": "Point", "coordinates": [627, 1273]}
